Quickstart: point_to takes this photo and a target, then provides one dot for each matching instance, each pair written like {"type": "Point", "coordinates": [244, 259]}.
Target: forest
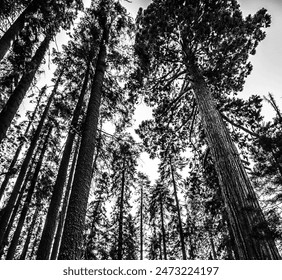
{"type": "Point", "coordinates": [71, 189]}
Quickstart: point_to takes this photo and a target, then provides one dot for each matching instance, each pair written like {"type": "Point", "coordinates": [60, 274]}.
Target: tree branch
{"type": "Point", "coordinates": [240, 126]}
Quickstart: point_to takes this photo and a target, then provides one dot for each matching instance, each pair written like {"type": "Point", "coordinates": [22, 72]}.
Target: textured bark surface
{"type": "Point", "coordinates": [11, 107]}
{"type": "Point", "coordinates": [63, 213]}
{"type": "Point", "coordinates": [72, 239]}
{"type": "Point", "coordinates": [45, 245]}
{"type": "Point", "coordinates": [249, 228]}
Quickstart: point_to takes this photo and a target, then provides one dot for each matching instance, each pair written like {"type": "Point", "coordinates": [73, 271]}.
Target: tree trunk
{"type": "Point", "coordinates": [17, 153]}
{"type": "Point", "coordinates": [17, 206]}
{"type": "Point", "coordinates": [29, 234]}
{"type": "Point", "coordinates": [61, 223]}
{"type": "Point", "coordinates": [14, 242]}
{"type": "Point", "coordinates": [250, 230]}
{"type": "Point", "coordinates": [45, 245]}
{"type": "Point", "coordinates": [214, 257]}
{"type": "Point", "coordinates": [160, 245]}
{"type": "Point", "coordinates": [120, 227]}
{"type": "Point", "coordinates": [181, 234]}
{"type": "Point", "coordinates": [11, 107]}
{"type": "Point", "coordinates": [163, 228]}
{"type": "Point", "coordinates": [141, 224]}
{"type": "Point", "coordinates": [9, 207]}
{"type": "Point", "coordinates": [35, 242]}
{"type": "Point", "coordinates": [72, 239]}
{"type": "Point", "coordinates": [11, 34]}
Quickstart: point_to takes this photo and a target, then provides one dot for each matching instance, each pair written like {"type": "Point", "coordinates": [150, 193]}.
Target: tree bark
{"type": "Point", "coordinates": [17, 206]}
{"type": "Point", "coordinates": [36, 240]}
{"type": "Point", "coordinates": [15, 240]}
{"type": "Point", "coordinates": [10, 205]}
{"type": "Point", "coordinates": [60, 227]}
{"type": "Point", "coordinates": [163, 228]}
{"type": "Point", "coordinates": [160, 245]}
{"type": "Point", "coordinates": [11, 34]}
{"type": "Point", "coordinates": [72, 239]}
{"type": "Point", "coordinates": [11, 107]}
{"type": "Point", "coordinates": [250, 230]}
{"type": "Point", "coordinates": [141, 224]}
{"type": "Point", "coordinates": [181, 234]}
{"type": "Point", "coordinates": [214, 257]}
{"type": "Point", "coordinates": [17, 153]}
{"type": "Point", "coordinates": [45, 245]}
{"type": "Point", "coordinates": [29, 234]}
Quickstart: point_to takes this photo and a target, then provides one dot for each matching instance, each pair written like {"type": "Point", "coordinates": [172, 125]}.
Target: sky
{"type": "Point", "coordinates": [267, 71]}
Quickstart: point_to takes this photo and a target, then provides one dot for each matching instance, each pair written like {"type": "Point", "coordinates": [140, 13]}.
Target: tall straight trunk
{"type": "Point", "coordinates": [11, 34]}
{"type": "Point", "coordinates": [141, 224]}
{"type": "Point", "coordinates": [11, 107]}
{"type": "Point", "coordinates": [160, 245]}
{"type": "Point", "coordinates": [19, 149]}
{"type": "Point", "coordinates": [15, 240]}
{"type": "Point", "coordinates": [214, 257]}
{"type": "Point", "coordinates": [10, 205]}
{"type": "Point", "coordinates": [29, 234]}
{"type": "Point", "coordinates": [248, 225]}
{"type": "Point", "coordinates": [181, 234]}
{"type": "Point", "coordinates": [72, 239]}
{"type": "Point", "coordinates": [45, 245]}
{"type": "Point", "coordinates": [163, 228]}
{"type": "Point", "coordinates": [120, 225]}
{"type": "Point", "coordinates": [63, 212]}
{"type": "Point", "coordinates": [17, 206]}
{"type": "Point", "coordinates": [35, 242]}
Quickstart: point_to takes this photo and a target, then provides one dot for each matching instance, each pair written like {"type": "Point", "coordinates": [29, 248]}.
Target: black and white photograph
{"type": "Point", "coordinates": [141, 130]}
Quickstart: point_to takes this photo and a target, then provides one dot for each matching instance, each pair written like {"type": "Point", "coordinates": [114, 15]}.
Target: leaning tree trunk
{"type": "Point", "coordinates": [250, 230]}
{"type": "Point", "coordinates": [181, 234]}
{"type": "Point", "coordinates": [45, 245]}
{"type": "Point", "coordinates": [11, 34]}
{"type": "Point", "coordinates": [30, 192]}
{"type": "Point", "coordinates": [11, 107]}
{"type": "Point", "coordinates": [10, 205]}
{"type": "Point", "coordinates": [19, 149]}
{"type": "Point", "coordinates": [72, 239]}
